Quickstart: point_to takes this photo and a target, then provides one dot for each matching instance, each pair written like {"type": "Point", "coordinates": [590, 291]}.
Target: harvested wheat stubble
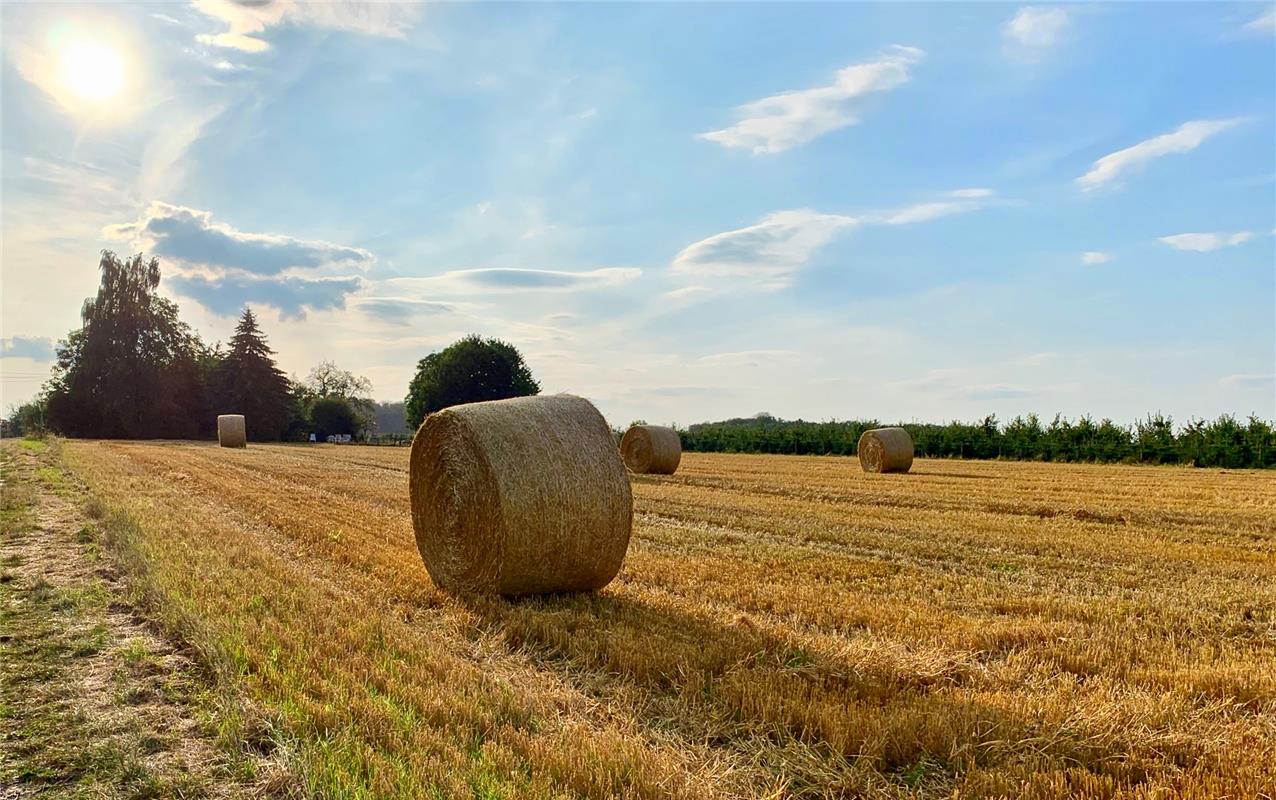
{"type": "Point", "coordinates": [231, 431]}
{"type": "Point", "coordinates": [520, 496]}
{"type": "Point", "coordinates": [886, 450]}
{"type": "Point", "coordinates": [651, 449]}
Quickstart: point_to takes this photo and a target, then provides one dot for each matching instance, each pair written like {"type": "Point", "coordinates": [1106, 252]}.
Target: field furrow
{"type": "Point", "coordinates": [782, 625]}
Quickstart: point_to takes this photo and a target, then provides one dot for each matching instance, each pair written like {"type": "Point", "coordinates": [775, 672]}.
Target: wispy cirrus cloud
{"type": "Point", "coordinates": [972, 193]}
{"type": "Point", "coordinates": [191, 236]}
{"type": "Point", "coordinates": [401, 311]}
{"type": "Point", "coordinates": [1264, 22]}
{"type": "Point", "coordinates": [781, 121]}
{"type": "Point", "coordinates": [1184, 139]}
{"type": "Point", "coordinates": [747, 358]}
{"type": "Point", "coordinates": [958, 202]}
{"type": "Point", "coordinates": [999, 391]}
{"type": "Point", "coordinates": [1035, 28]}
{"type": "Point", "coordinates": [687, 294]}
{"type": "Point", "coordinates": [769, 250]}
{"type": "Point", "coordinates": [1092, 257]}
{"type": "Point", "coordinates": [246, 21]}
{"type": "Point", "coordinates": [766, 254]}
{"type": "Point", "coordinates": [1250, 380]}
{"type": "Point", "coordinates": [1206, 242]}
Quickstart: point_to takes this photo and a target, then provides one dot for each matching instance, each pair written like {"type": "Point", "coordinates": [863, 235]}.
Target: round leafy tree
{"type": "Point", "coordinates": [468, 371]}
{"type": "Point", "coordinates": [334, 415]}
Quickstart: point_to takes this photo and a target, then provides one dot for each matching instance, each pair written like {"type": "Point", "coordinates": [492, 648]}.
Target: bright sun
{"type": "Point", "coordinates": [93, 71]}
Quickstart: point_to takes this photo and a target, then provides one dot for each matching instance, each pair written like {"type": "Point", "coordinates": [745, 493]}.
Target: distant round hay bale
{"type": "Point", "coordinates": [231, 431]}
{"type": "Point", "coordinates": [886, 450]}
{"type": "Point", "coordinates": [651, 449]}
{"type": "Point", "coordinates": [520, 496]}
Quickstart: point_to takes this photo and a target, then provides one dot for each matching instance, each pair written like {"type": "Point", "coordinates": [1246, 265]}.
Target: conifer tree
{"type": "Point", "coordinates": [248, 382]}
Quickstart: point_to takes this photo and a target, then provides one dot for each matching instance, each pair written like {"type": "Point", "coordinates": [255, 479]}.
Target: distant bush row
{"type": "Point", "coordinates": [1224, 442]}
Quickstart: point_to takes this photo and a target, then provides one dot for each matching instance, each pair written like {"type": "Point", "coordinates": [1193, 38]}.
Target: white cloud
{"type": "Point", "coordinates": [924, 212]}
{"type": "Point", "coordinates": [781, 121]}
{"type": "Point", "coordinates": [971, 193]}
{"type": "Point", "coordinates": [190, 236]}
{"type": "Point", "coordinates": [770, 250]}
{"type": "Point", "coordinates": [767, 253]}
{"type": "Point", "coordinates": [1036, 27]}
{"type": "Point", "coordinates": [1036, 359]}
{"type": "Point", "coordinates": [223, 268]}
{"type": "Point", "coordinates": [475, 281]}
{"type": "Point", "coordinates": [1263, 23]}
{"type": "Point", "coordinates": [687, 293]}
{"type": "Point", "coordinates": [1186, 138]}
{"type": "Point", "coordinates": [1095, 257]}
{"type": "Point", "coordinates": [1255, 380]}
{"type": "Point", "coordinates": [35, 348]}
{"type": "Point", "coordinates": [246, 20]}
{"type": "Point", "coordinates": [748, 358]}
{"type": "Point", "coordinates": [1206, 242]}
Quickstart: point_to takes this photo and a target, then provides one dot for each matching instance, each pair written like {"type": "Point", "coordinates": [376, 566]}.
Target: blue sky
{"type": "Point", "coordinates": [681, 211]}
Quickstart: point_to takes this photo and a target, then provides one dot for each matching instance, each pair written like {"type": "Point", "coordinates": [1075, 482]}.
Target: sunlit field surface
{"type": "Point", "coordinates": [783, 627]}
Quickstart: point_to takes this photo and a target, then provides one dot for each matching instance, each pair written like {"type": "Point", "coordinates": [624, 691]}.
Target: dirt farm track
{"type": "Point", "coordinates": [783, 627]}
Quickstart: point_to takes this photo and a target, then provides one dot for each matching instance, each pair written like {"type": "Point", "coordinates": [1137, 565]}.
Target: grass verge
{"type": "Point", "coordinates": [92, 703]}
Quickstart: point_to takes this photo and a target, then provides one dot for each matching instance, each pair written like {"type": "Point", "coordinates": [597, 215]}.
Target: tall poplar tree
{"type": "Point", "coordinates": [132, 371]}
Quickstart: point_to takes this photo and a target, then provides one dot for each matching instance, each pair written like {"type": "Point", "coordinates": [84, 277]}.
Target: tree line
{"type": "Point", "coordinates": [135, 370]}
{"type": "Point", "coordinates": [1224, 442]}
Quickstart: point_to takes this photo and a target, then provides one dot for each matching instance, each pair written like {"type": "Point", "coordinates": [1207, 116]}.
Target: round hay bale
{"type": "Point", "coordinates": [651, 449]}
{"type": "Point", "coordinates": [231, 431]}
{"type": "Point", "coordinates": [520, 496]}
{"type": "Point", "coordinates": [886, 450]}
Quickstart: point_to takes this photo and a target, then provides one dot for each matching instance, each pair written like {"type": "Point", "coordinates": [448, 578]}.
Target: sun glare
{"type": "Point", "coordinates": [93, 71]}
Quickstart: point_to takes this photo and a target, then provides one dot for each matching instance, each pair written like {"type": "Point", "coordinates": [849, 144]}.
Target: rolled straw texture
{"type": "Point", "coordinates": [651, 449]}
{"type": "Point", "coordinates": [231, 431]}
{"type": "Point", "coordinates": [886, 450]}
{"type": "Point", "coordinates": [520, 496]}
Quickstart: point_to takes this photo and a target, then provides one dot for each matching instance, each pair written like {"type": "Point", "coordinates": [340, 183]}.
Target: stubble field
{"type": "Point", "coordinates": [783, 627]}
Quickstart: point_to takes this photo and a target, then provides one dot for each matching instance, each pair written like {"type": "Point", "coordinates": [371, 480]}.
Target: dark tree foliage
{"type": "Point", "coordinates": [25, 420]}
{"type": "Point", "coordinates": [334, 415]}
{"type": "Point", "coordinates": [1224, 442]}
{"type": "Point", "coordinates": [134, 370]}
{"type": "Point", "coordinates": [468, 371]}
{"type": "Point", "coordinates": [248, 382]}
{"type": "Point", "coordinates": [391, 419]}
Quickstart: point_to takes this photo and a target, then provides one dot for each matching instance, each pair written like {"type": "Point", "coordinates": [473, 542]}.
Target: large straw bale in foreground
{"type": "Point", "coordinates": [886, 450]}
{"type": "Point", "coordinates": [231, 431]}
{"type": "Point", "coordinates": [520, 496]}
{"type": "Point", "coordinates": [651, 449]}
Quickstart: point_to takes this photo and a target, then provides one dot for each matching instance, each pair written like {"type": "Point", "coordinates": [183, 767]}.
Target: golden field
{"type": "Point", "coordinates": [783, 627]}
